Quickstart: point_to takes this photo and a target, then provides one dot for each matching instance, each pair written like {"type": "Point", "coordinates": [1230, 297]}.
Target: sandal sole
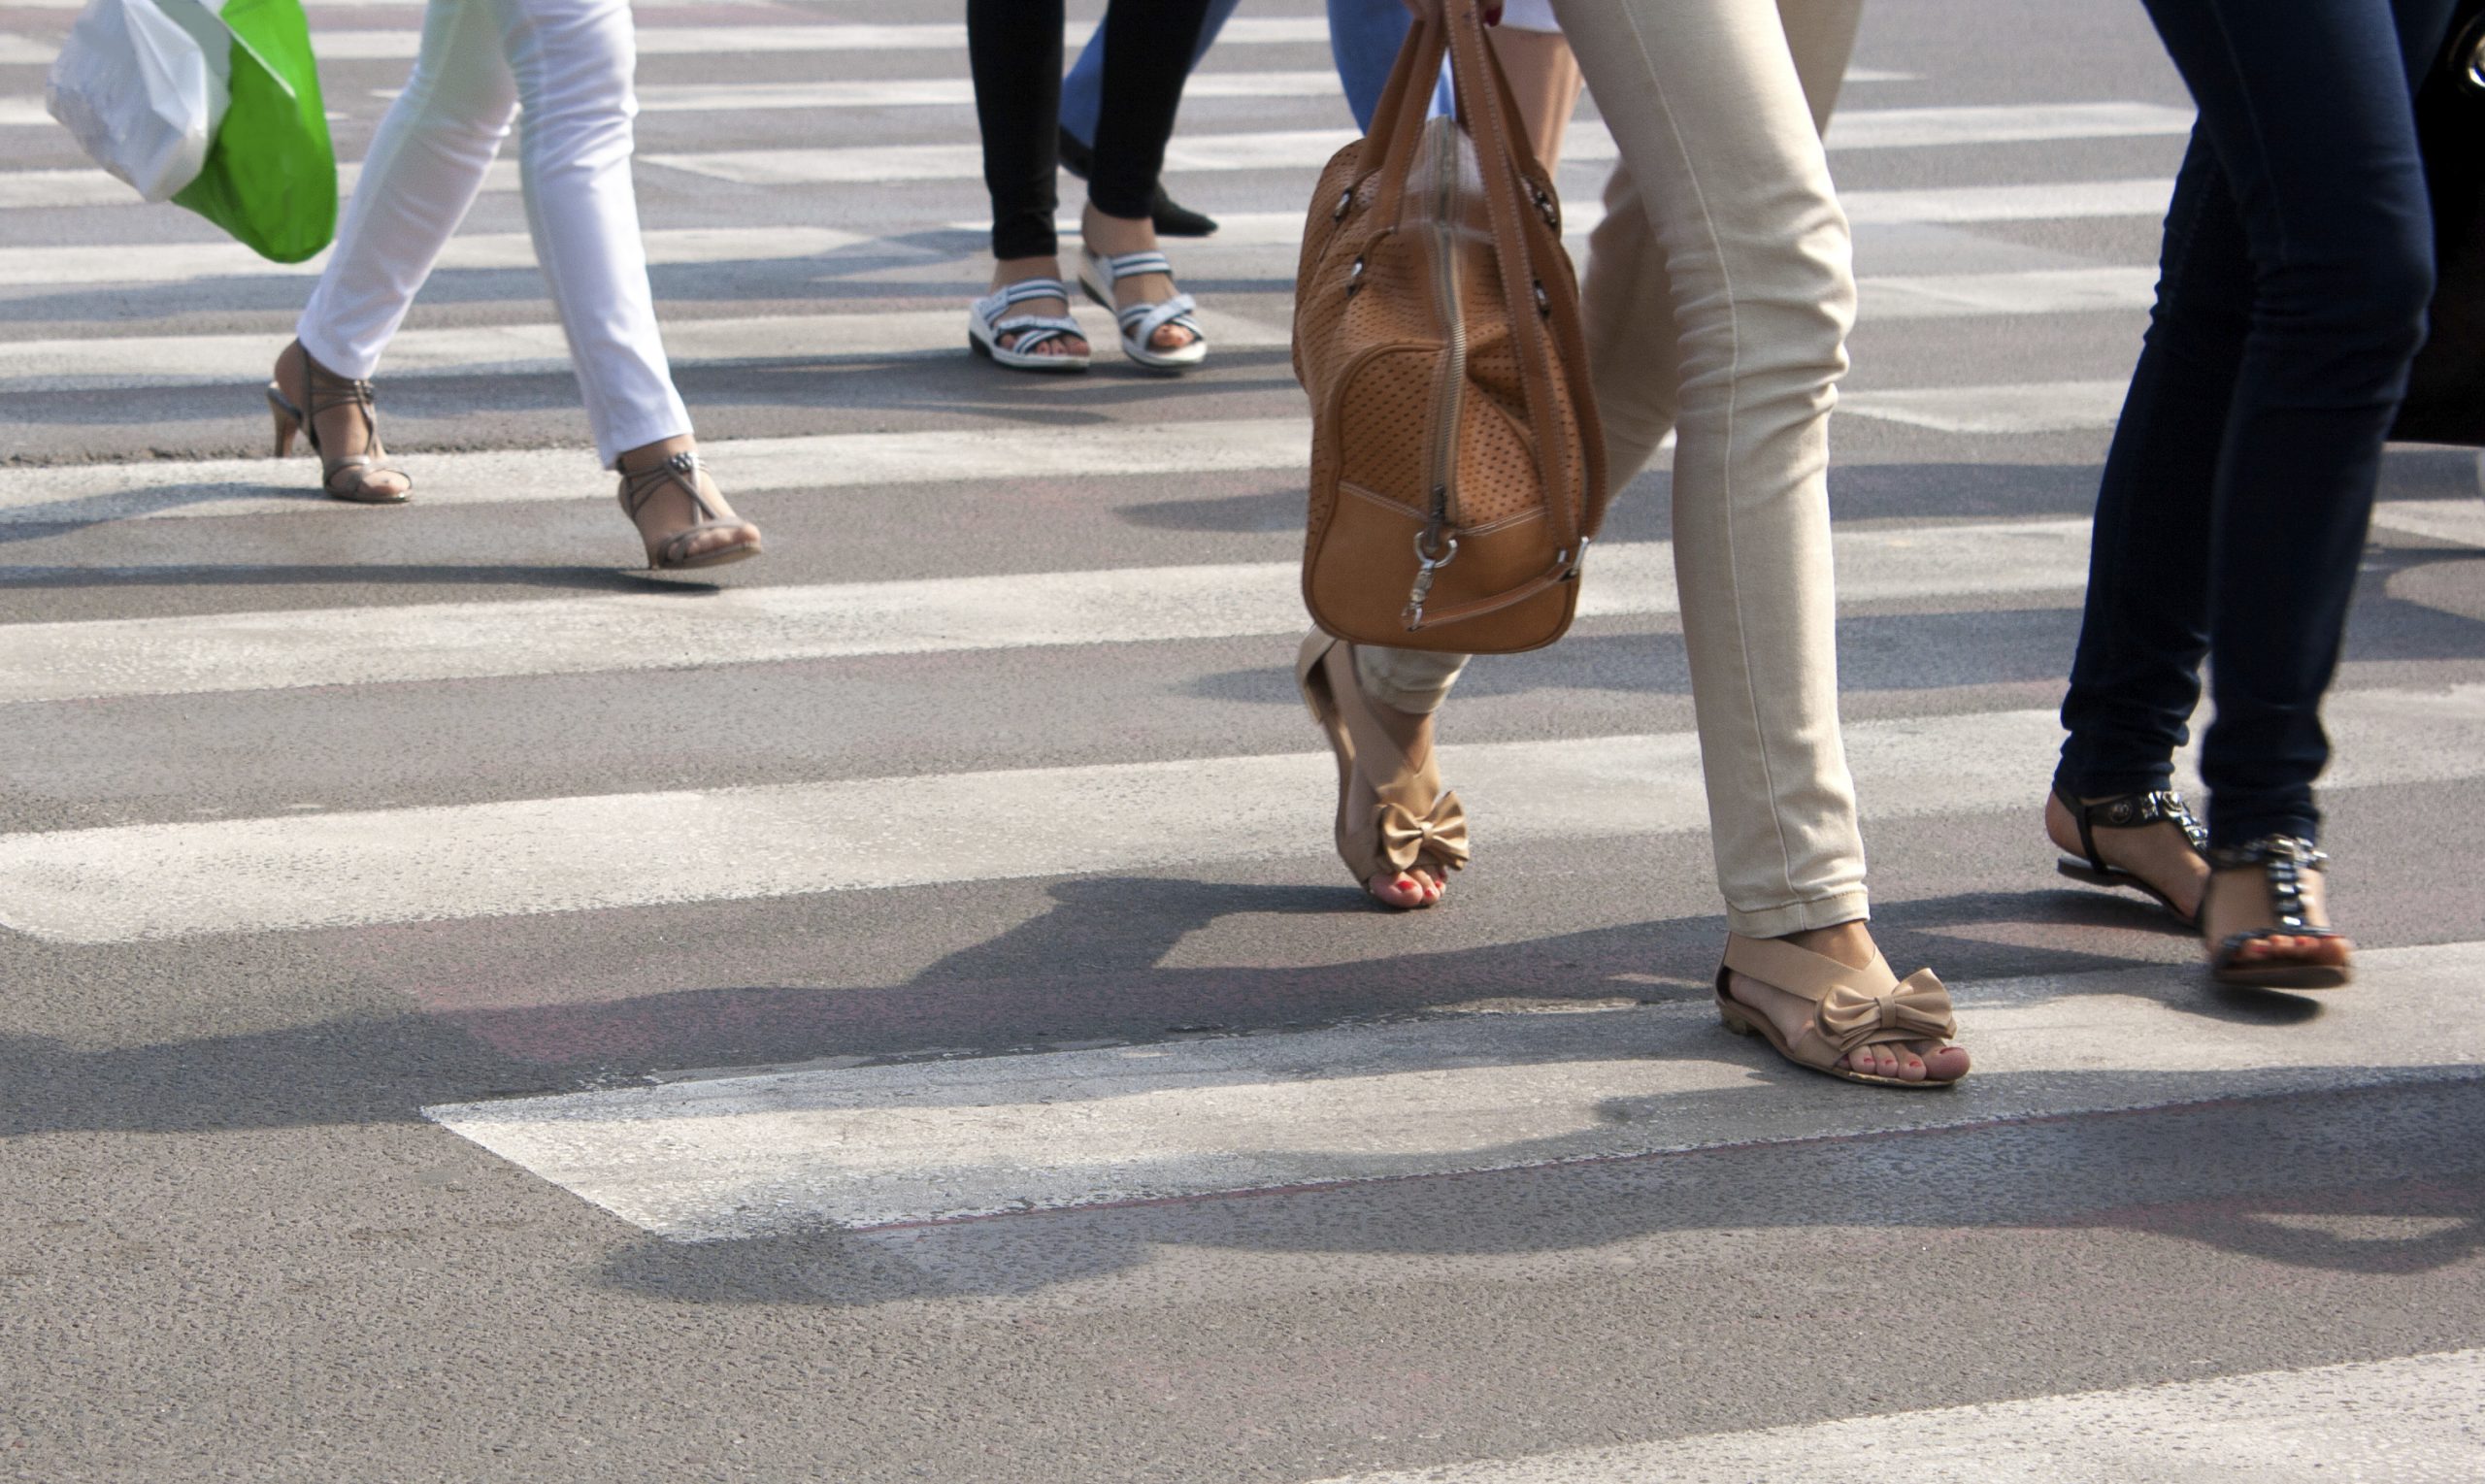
{"type": "Point", "coordinates": [1010, 360]}
{"type": "Point", "coordinates": [2118, 880]}
{"type": "Point", "coordinates": [2296, 976]}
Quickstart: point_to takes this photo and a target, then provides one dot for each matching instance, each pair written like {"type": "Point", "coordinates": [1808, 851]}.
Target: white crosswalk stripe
{"type": "Point", "coordinates": [924, 1141]}
{"type": "Point", "coordinates": [365, 645]}
{"type": "Point", "coordinates": [137, 882]}
{"type": "Point", "coordinates": [1309, 148]}
{"type": "Point", "coordinates": [388, 46]}
{"type": "Point", "coordinates": [206, 360]}
{"type": "Point", "coordinates": [2411, 1420]}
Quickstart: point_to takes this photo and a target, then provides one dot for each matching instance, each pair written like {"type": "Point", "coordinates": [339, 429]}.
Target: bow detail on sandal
{"type": "Point", "coordinates": [1916, 1007]}
{"type": "Point", "coordinates": [1413, 822]}
{"type": "Point", "coordinates": [1440, 833]}
{"type": "Point", "coordinates": [1854, 1007]}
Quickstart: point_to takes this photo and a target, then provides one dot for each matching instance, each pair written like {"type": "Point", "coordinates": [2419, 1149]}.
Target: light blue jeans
{"type": "Point", "coordinates": [1364, 38]}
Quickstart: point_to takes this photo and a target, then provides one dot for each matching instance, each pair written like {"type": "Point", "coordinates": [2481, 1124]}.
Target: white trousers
{"type": "Point", "coordinates": [1718, 292]}
{"type": "Point", "coordinates": [569, 63]}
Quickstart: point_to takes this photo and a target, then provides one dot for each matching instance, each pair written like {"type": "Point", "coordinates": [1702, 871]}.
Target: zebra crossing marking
{"type": "Point", "coordinates": [41, 270]}
{"type": "Point", "coordinates": [511, 350]}
{"type": "Point", "coordinates": [396, 643]}
{"type": "Point", "coordinates": [2412, 1420]}
{"type": "Point", "coordinates": [175, 489]}
{"type": "Point", "coordinates": [936, 1140]}
{"type": "Point", "coordinates": [401, 45]}
{"type": "Point", "coordinates": [529, 856]}
{"type": "Point", "coordinates": [2033, 407]}
{"type": "Point", "coordinates": [1301, 149]}
{"type": "Point", "coordinates": [117, 362]}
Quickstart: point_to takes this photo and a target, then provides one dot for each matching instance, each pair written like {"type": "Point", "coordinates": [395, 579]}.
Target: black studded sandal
{"type": "Point", "coordinates": [2282, 860]}
{"type": "Point", "coordinates": [2130, 812]}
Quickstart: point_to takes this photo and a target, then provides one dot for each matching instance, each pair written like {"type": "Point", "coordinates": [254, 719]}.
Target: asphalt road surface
{"type": "Point", "coordinates": [474, 1012]}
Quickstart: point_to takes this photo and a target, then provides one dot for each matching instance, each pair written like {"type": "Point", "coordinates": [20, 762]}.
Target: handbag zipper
{"type": "Point", "coordinates": [1433, 544]}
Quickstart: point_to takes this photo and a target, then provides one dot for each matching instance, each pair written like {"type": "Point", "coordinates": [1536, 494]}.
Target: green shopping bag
{"type": "Point", "coordinates": [271, 175]}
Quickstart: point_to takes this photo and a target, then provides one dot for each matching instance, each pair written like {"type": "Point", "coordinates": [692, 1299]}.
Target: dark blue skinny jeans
{"type": "Point", "coordinates": [2291, 296]}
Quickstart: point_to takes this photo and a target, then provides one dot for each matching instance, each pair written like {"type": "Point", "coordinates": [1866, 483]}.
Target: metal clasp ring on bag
{"type": "Point", "coordinates": [1413, 617]}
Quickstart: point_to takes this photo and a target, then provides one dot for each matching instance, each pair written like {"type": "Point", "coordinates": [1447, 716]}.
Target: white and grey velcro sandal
{"type": "Point", "coordinates": [1139, 322]}
{"type": "Point", "coordinates": [985, 328]}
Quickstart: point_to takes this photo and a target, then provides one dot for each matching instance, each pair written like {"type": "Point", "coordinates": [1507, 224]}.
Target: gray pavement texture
{"type": "Point", "coordinates": [231, 1247]}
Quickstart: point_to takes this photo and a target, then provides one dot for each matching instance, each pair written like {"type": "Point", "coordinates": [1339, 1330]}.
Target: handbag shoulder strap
{"type": "Point", "coordinates": [1507, 161]}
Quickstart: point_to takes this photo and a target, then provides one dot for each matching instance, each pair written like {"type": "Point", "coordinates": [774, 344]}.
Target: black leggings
{"type": "Point", "coordinates": [1015, 47]}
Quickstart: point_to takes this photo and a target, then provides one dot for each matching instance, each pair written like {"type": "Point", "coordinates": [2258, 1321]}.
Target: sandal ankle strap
{"type": "Point", "coordinates": [2130, 812]}
{"type": "Point", "coordinates": [638, 485]}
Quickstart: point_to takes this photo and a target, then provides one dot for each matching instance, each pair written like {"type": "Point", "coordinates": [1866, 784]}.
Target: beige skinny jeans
{"type": "Point", "coordinates": [1718, 293]}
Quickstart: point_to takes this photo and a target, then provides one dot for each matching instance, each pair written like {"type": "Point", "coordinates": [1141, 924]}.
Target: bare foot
{"type": "Point", "coordinates": [1418, 886]}
{"type": "Point", "coordinates": [2237, 901]}
{"type": "Point", "coordinates": [1114, 236]}
{"type": "Point", "coordinates": [2161, 853]}
{"type": "Point", "coordinates": [1849, 944]}
{"type": "Point", "coordinates": [1018, 270]}
{"type": "Point", "coordinates": [669, 509]}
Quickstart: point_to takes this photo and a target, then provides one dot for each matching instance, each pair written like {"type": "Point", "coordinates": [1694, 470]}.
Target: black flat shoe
{"type": "Point", "coordinates": [2129, 812]}
{"type": "Point", "coordinates": [1172, 217]}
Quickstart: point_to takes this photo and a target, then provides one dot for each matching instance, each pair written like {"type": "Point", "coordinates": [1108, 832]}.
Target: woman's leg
{"type": "Point", "coordinates": [1708, 106]}
{"type": "Point", "coordinates": [1706, 102]}
{"type": "Point", "coordinates": [573, 60]}
{"type": "Point", "coordinates": [1082, 91]}
{"type": "Point", "coordinates": [1626, 290]}
{"type": "Point", "coordinates": [1149, 46]}
{"type": "Point", "coordinates": [424, 167]}
{"type": "Point", "coordinates": [1364, 38]}
{"type": "Point", "coordinates": [2339, 233]}
{"type": "Point", "coordinates": [1014, 49]}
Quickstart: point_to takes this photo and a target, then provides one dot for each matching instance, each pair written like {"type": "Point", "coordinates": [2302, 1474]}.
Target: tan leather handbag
{"type": "Point", "coordinates": [1457, 467]}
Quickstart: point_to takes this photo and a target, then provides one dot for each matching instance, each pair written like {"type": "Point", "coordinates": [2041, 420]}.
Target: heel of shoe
{"type": "Point", "coordinates": [288, 420]}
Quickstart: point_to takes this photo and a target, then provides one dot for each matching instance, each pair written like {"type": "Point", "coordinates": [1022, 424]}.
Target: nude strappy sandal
{"type": "Point", "coordinates": [670, 550]}
{"type": "Point", "coordinates": [1853, 1007]}
{"type": "Point", "coordinates": [2128, 811]}
{"type": "Point", "coordinates": [2282, 860]}
{"type": "Point", "coordinates": [1139, 322]}
{"type": "Point", "coordinates": [988, 320]}
{"type": "Point", "coordinates": [1417, 822]}
{"type": "Point", "coordinates": [323, 391]}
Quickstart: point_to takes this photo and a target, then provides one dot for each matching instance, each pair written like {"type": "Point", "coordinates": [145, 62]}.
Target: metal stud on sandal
{"type": "Point", "coordinates": [2128, 811]}
{"type": "Point", "coordinates": [670, 549]}
{"type": "Point", "coordinates": [2282, 860]}
{"type": "Point", "coordinates": [357, 478]}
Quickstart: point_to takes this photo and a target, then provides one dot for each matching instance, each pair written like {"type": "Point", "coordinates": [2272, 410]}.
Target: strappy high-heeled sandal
{"type": "Point", "coordinates": [670, 550]}
{"type": "Point", "coordinates": [2128, 811]}
{"type": "Point", "coordinates": [1139, 322]}
{"type": "Point", "coordinates": [985, 327]}
{"type": "Point", "coordinates": [1852, 1007]}
{"type": "Point", "coordinates": [2282, 860]}
{"type": "Point", "coordinates": [1416, 822]}
{"type": "Point", "coordinates": [323, 391]}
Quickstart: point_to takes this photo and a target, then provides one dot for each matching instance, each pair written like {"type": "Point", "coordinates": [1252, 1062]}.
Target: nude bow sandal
{"type": "Point", "coordinates": [1416, 821]}
{"type": "Point", "coordinates": [1854, 1007]}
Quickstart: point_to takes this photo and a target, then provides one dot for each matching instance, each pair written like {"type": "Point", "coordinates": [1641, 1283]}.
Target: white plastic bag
{"type": "Point", "coordinates": [142, 84]}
